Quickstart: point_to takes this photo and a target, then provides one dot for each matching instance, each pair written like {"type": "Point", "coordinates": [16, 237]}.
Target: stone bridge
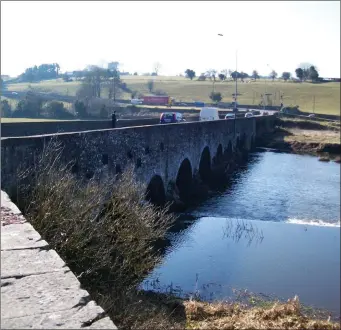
{"type": "Point", "coordinates": [162, 154]}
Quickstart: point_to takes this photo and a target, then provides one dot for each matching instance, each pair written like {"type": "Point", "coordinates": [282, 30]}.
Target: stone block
{"type": "Point", "coordinates": [73, 318]}
{"type": "Point", "coordinates": [20, 236]}
{"type": "Point", "coordinates": [36, 294]}
{"type": "Point", "coordinates": [29, 262]}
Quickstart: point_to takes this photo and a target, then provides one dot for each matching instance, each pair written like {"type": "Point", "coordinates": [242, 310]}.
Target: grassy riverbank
{"type": "Point", "coordinates": [304, 136]}
{"type": "Point", "coordinates": [107, 234]}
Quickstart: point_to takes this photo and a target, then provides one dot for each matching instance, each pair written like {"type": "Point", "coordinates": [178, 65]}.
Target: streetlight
{"type": "Point", "coordinates": [236, 87]}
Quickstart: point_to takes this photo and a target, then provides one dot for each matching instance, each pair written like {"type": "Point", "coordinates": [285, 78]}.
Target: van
{"type": "Point", "coordinates": [208, 114]}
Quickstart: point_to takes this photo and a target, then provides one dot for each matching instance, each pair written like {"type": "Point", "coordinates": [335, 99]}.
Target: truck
{"type": "Point", "coordinates": [156, 100]}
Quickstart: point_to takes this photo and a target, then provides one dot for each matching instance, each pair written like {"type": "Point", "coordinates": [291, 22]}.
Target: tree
{"type": "Point", "coordinates": [157, 67]}
{"type": "Point", "coordinates": [299, 73]}
{"type": "Point", "coordinates": [216, 97]}
{"type": "Point", "coordinates": [6, 109]}
{"type": "Point", "coordinates": [255, 75]}
{"type": "Point", "coordinates": [104, 113]}
{"type": "Point", "coordinates": [286, 76]}
{"type": "Point", "coordinates": [80, 109]}
{"type": "Point", "coordinates": [190, 74]}
{"type": "Point", "coordinates": [222, 77]}
{"type": "Point", "coordinates": [273, 75]}
{"type": "Point", "coordinates": [305, 66]}
{"type": "Point", "coordinates": [235, 75]}
{"type": "Point", "coordinates": [114, 84]}
{"type": "Point", "coordinates": [30, 107]}
{"type": "Point", "coordinates": [55, 109]}
{"type": "Point", "coordinates": [243, 75]}
{"type": "Point", "coordinates": [150, 85]}
{"type": "Point", "coordinates": [313, 74]}
{"type": "Point", "coordinates": [211, 73]}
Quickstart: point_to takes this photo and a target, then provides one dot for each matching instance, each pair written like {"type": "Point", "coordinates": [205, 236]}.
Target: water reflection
{"type": "Point", "coordinates": [244, 238]}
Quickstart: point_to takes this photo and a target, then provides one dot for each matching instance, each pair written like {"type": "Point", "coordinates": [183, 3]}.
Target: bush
{"type": "Point", "coordinates": [105, 232]}
{"type": "Point", "coordinates": [6, 109]}
{"type": "Point", "coordinates": [55, 109]}
{"type": "Point", "coordinates": [201, 78]}
{"type": "Point", "coordinates": [81, 109]}
{"type": "Point", "coordinates": [216, 96]}
{"type": "Point", "coordinates": [30, 107]}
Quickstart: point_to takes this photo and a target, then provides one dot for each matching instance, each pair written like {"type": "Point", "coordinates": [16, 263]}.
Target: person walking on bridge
{"type": "Point", "coordinates": [113, 119]}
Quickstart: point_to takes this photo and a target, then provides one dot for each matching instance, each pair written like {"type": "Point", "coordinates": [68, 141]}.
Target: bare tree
{"type": "Point", "coordinates": [113, 83]}
{"type": "Point", "coordinates": [157, 67]}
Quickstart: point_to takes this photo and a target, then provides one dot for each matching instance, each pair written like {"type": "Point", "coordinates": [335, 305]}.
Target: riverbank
{"type": "Point", "coordinates": [306, 137]}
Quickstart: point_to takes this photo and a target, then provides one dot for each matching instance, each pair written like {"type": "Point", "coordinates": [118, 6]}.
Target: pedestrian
{"type": "Point", "coordinates": [113, 119]}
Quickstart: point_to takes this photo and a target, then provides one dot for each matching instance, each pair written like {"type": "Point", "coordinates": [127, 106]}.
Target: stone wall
{"type": "Point", "coordinates": [52, 127]}
{"type": "Point", "coordinates": [157, 150]}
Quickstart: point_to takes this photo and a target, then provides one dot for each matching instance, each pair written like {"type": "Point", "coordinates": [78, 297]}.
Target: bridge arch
{"type": "Point", "coordinates": [184, 179]}
{"type": "Point", "coordinates": [205, 165]}
{"type": "Point", "coordinates": [219, 157]}
{"type": "Point", "coordinates": [155, 192]}
{"type": "Point", "coordinates": [228, 151]}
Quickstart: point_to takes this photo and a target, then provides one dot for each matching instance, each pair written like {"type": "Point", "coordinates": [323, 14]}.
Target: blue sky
{"type": "Point", "coordinates": [269, 35]}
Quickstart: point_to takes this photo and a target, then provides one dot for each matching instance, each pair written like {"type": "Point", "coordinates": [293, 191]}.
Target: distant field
{"type": "Point", "coordinates": [327, 95]}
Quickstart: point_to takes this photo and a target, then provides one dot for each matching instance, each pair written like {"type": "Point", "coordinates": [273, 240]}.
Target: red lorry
{"type": "Point", "coordinates": [156, 100]}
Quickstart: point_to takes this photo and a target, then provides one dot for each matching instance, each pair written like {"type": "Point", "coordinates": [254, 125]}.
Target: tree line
{"type": "Point", "coordinates": [303, 73]}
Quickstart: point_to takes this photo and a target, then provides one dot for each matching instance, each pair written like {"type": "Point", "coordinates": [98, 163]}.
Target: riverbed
{"type": "Point", "coordinates": [275, 231]}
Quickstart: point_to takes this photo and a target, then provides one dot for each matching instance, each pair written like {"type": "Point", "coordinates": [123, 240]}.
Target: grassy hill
{"type": "Point", "coordinates": [327, 95]}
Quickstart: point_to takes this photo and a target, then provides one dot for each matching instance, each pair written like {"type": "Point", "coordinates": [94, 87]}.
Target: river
{"type": "Point", "coordinates": [275, 231]}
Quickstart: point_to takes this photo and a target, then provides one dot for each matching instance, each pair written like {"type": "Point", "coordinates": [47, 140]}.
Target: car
{"type": "Point", "coordinates": [312, 115]}
{"type": "Point", "coordinates": [230, 116]}
{"type": "Point", "coordinates": [171, 117]}
{"type": "Point", "coordinates": [136, 101]}
{"type": "Point", "coordinates": [248, 115]}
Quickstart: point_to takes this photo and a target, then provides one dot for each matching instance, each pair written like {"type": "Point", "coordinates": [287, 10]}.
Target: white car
{"type": "Point", "coordinates": [136, 101]}
{"type": "Point", "coordinates": [230, 116]}
{"type": "Point", "coordinates": [248, 115]}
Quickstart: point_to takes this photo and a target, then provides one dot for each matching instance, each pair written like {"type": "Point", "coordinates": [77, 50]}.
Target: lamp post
{"type": "Point", "coordinates": [236, 86]}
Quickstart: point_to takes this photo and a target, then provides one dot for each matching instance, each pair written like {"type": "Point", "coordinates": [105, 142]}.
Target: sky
{"type": "Point", "coordinates": [180, 35]}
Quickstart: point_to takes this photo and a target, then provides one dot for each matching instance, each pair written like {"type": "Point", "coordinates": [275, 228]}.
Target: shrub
{"type": "Point", "coordinates": [55, 109]}
{"type": "Point", "coordinates": [30, 107]}
{"type": "Point", "coordinates": [216, 96]}
{"type": "Point", "coordinates": [202, 78]}
{"type": "Point", "coordinates": [6, 109]}
{"type": "Point", "coordinates": [105, 232]}
{"type": "Point", "coordinates": [81, 109]}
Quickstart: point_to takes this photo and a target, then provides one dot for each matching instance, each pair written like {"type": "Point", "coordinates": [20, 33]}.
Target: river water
{"type": "Point", "coordinates": [275, 231]}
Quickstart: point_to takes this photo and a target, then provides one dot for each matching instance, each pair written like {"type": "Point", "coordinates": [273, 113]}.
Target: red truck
{"type": "Point", "coordinates": [156, 100]}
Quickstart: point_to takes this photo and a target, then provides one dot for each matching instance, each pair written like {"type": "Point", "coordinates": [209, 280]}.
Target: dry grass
{"type": "Point", "coordinates": [327, 95]}
{"type": "Point", "coordinates": [312, 136]}
{"type": "Point", "coordinates": [105, 232]}
{"type": "Point", "coordinates": [233, 316]}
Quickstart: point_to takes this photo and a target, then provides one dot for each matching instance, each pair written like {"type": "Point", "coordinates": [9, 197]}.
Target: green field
{"type": "Point", "coordinates": [327, 95]}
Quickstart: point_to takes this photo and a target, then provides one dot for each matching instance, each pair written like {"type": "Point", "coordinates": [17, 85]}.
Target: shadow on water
{"type": "Point", "coordinates": [218, 187]}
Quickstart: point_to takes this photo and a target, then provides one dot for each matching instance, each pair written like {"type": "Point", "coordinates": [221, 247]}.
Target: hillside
{"type": "Point", "coordinates": [327, 95]}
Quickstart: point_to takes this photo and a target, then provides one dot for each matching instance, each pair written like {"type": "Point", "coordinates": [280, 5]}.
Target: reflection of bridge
{"type": "Point", "coordinates": [163, 155]}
